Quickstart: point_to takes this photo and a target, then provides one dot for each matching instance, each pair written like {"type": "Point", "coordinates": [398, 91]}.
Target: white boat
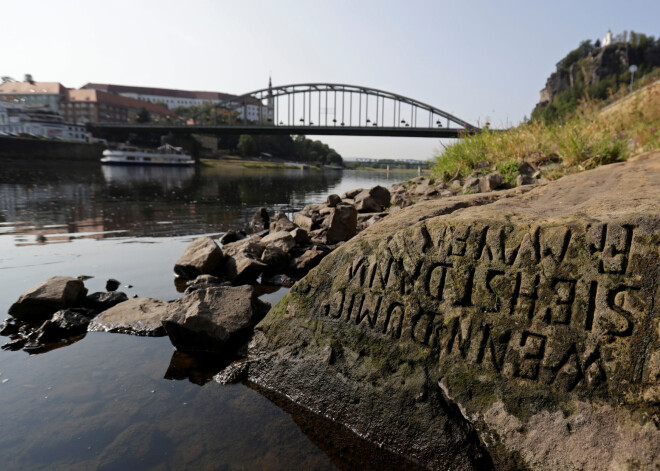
{"type": "Point", "coordinates": [164, 155]}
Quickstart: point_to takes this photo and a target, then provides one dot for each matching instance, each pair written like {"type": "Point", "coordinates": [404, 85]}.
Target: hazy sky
{"type": "Point", "coordinates": [479, 60]}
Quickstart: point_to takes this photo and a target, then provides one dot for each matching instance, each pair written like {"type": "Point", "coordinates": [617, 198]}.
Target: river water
{"type": "Point", "coordinates": [112, 401]}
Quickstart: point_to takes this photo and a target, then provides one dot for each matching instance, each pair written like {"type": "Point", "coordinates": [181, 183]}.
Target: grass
{"type": "Point", "coordinates": [590, 137]}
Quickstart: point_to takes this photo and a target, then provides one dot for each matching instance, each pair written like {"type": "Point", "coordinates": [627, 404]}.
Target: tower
{"type": "Point", "coordinates": [271, 101]}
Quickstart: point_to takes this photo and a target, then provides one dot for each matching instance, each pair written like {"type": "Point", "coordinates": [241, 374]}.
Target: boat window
{"type": "Point", "coordinates": [130, 157]}
{"type": "Point", "coordinates": [148, 159]}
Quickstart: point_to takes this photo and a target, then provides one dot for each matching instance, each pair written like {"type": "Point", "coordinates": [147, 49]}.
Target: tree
{"type": "Point", "coordinates": [143, 116]}
{"type": "Point", "coordinates": [246, 146]}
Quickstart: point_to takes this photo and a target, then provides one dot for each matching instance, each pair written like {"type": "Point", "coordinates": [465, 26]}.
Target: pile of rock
{"type": "Point", "coordinates": [207, 319]}
{"type": "Point", "coordinates": [279, 250]}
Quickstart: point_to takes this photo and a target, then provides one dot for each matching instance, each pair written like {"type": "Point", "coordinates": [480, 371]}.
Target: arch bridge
{"type": "Point", "coordinates": [313, 109]}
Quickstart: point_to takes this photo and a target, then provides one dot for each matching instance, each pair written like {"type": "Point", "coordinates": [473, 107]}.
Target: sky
{"type": "Point", "coordinates": [482, 60]}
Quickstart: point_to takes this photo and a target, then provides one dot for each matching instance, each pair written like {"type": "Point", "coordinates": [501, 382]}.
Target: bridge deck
{"type": "Point", "coordinates": [99, 129]}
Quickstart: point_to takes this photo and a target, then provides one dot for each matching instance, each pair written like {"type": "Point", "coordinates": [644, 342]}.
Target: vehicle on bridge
{"type": "Point", "coordinates": [166, 155]}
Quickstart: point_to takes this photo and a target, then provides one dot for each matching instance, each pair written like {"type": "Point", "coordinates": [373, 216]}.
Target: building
{"type": "Point", "coordinates": [95, 106]}
{"type": "Point", "coordinates": [37, 94]}
{"type": "Point", "coordinates": [607, 40]}
{"type": "Point", "coordinates": [253, 110]}
{"type": "Point", "coordinates": [21, 120]}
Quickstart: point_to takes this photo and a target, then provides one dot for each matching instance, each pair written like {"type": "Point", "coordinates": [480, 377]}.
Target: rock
{"type": "Point", "coordinates": [471, 185]}
{"type": "Point", "coordinates": [351, 194]}
{"type": "Point", "coordinates": [517, 326]}
{"type": "Point", "coordinates": [137, 316]}
{"type": "Point", "coordinates": [242, 269]}
{"type": "Point", "coordinates": [64, 324]}
{"type": "Point", "coordinates": [275, 258]}
{"type": "Point", "coordinates": [250, 247]}
{"type": "Point", "coordinates": [308, 260]}
{"type": "Point", "coordinates": [490, 182]}
{"type": "Point", "coordinates": [343, 224]}
{"type": "Point", "coordinates": [203, 281]}
{"type": "Point", "coordinates": [281, 223]}
{"type": "Point", "coordinates": [525, 168]}
{"type": "Point", "coordinates": [482, 164]}
{"type": "Point", "coordinates": [332, 200]}
{"type": "Point", "coordinates": [280, 239]}
{"type": "Point", "coordinates": [232, 236]}
{"type": "Point", "coordinates": [202, 256]}
{"type": "Point", "coordinates": [112, 284]}
{"type": "Point", "coordinates": [278, 280]}
{"type": "Point", "coordinates": [300, 235]}
{"type": "Point", "coordinates": [214, 319]}
{"type": "Point", "coordinates": [15, 345]}
{"type": "Point", "coordinates": [304, 221]}
{"type": "Point", "coordinates": [524, 180]}
{"type": "Point", "coordinates": [9, 327]}
{"type": "Point", "coordinates": [40, 302]}
{"type": "Point", "coordinates": [372, 201]}
{"type": "Point", "coordinates": [260, 220]}
{"type": "Point", "coordinates": [101, 301]}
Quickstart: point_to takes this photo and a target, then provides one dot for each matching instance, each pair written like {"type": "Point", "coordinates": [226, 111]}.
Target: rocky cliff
{"type": "Point", "coordinates": [609, 62]}
{"type": "Point", "coordinates": [508, 330]}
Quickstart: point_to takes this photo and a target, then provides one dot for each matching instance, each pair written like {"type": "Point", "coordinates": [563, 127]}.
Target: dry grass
{"type": "Point", "coordinates": [588, 138]}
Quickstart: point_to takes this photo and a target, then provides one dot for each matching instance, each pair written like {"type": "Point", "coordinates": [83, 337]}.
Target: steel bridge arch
{"type": "Point", "coordinates": [275, 92]}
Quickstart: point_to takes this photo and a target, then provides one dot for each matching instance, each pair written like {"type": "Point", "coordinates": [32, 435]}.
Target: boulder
{"type": "Point", "coordinates": [490, 182]}
{"type": "Point", "coordinates": [332, 200]}
{"type": "Point", "coordinates": [260, 220]}
{"type": "Point", "coordinates": [203, 281]}
{"type": "Point", "coordinates": [280, 239]}
{"type": "Point", "coordinates": [373, 200]}
{"type": "Point", "coordinates": [232, 236]}
{"type": "Point", "coordinates": [515, 329]}
{"type": "Point", "coordinates": [281, 223]}
{"type": "Point", "coordinates": [100, 301]}
{"type": "Point", "coordinates": [308, 260]}
{"type": "Point", "coordinates": [304, 221]}
{"type": "Point", "coordinates": [242, 269]}
{"type": "Point", "coordinates": [300, 235]}
{"type": "Point", "coordinates": [213, 319]}
{"type": "Point", "coordinates": [137, 316]}
{"type": "Point", "coordinates": [64, 324]}
{"type": "Point", "coordinates": [351, 194]}
{"type": "Point", "coordinates": [275, 258]}
{"type": "Point", "coordinates": [250, 247]}
{"type": "Point", "coordinates": [40, 302]}
{"type": "Point", "coordinates": [202, 256]}
{"type": "Point", "coordinates": [343, 224]}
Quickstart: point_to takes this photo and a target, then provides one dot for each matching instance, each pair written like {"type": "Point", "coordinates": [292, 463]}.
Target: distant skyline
{"type": "Point", "coordinates": [479, 60]}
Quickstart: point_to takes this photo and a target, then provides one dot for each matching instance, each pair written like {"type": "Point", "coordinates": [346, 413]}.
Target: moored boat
{"type": "Point", "coordinates": [164, 155]}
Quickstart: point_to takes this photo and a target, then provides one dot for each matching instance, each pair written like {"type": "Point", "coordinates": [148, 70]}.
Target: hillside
{"type": "Point", "coordinates": [592, 72]}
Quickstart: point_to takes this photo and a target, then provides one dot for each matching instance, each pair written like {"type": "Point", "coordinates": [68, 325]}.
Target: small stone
{"type": "Point", "coordinates": [260, 220]}
{"type": "Point", "coordinates": [112, 284]}
{"type": "Point", "coordinates": [333, 200]}
{"type": "Point", "coordinates": [232, 236]}
{"type": "Point", "coordinates": [40, 302]}
{"type": "Point", "coordinates": [200, 257]}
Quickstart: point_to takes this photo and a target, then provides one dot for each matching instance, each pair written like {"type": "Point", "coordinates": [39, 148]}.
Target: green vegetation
{"type": "Point", "coordinates": [383, 164]}
{"type": "Point", "coordinates": [589, 136]}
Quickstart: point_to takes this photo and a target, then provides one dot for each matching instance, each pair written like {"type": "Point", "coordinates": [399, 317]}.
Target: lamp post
{"type": "Point", "coordinates": [632, 69]}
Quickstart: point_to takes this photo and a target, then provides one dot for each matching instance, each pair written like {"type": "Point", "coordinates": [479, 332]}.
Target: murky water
{"type": "Point", "coordinates": [105, 401]}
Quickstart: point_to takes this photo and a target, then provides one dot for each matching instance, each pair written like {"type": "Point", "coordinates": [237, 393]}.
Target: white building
{"type": "Point", "coordinates": [608, 39]}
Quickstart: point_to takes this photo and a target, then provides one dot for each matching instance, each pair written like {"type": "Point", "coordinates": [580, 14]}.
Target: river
{"type": "Point", "coordinates": [112, 401]}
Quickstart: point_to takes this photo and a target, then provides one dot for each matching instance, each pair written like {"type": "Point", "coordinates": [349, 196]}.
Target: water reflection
{"type": "Point", "coordinates": [168, 177]}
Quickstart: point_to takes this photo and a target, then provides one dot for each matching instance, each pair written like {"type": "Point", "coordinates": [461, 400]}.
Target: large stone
{"type": "Point", "coordinates": [250, 247]}
{"type": "Point", "coordinates": [260, 220]}
{"type": "Point", "coordinates": [304, 221]}
{"type": "Point", "coordinates": [526, 317]}
{"type": "Point", "coordinates": [202, 256]}
{"type": "Point", "coordinates": [373, 200]}
{"type": "Point", "coordinates": [100, 301]}
{"type": "Point", "coordinates": [137, 316]}
{"type": "Point", "coordinates": [213, 319]}
{"type": "Point", "coordinates": [281, 239]}
{"type": "Point", "coordinates": [65, 323]}
{"type": "Point", "coordinates": [281, 223]}
{"type": "Point", "coordinates": [343, 224]}
{"type": "Point", "coordinates": [40, 302]}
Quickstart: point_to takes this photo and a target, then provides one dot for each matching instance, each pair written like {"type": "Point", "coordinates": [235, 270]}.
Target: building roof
{"type": "Point", "coordinates": [33, 87]}
{"type": "Point", "coordinates": [98, 96]}
{"type": "Point", "coordinates": [164, 92]}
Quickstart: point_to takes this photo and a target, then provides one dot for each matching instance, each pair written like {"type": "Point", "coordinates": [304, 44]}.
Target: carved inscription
{"type": "Point", "coordinates": [533, 304]}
